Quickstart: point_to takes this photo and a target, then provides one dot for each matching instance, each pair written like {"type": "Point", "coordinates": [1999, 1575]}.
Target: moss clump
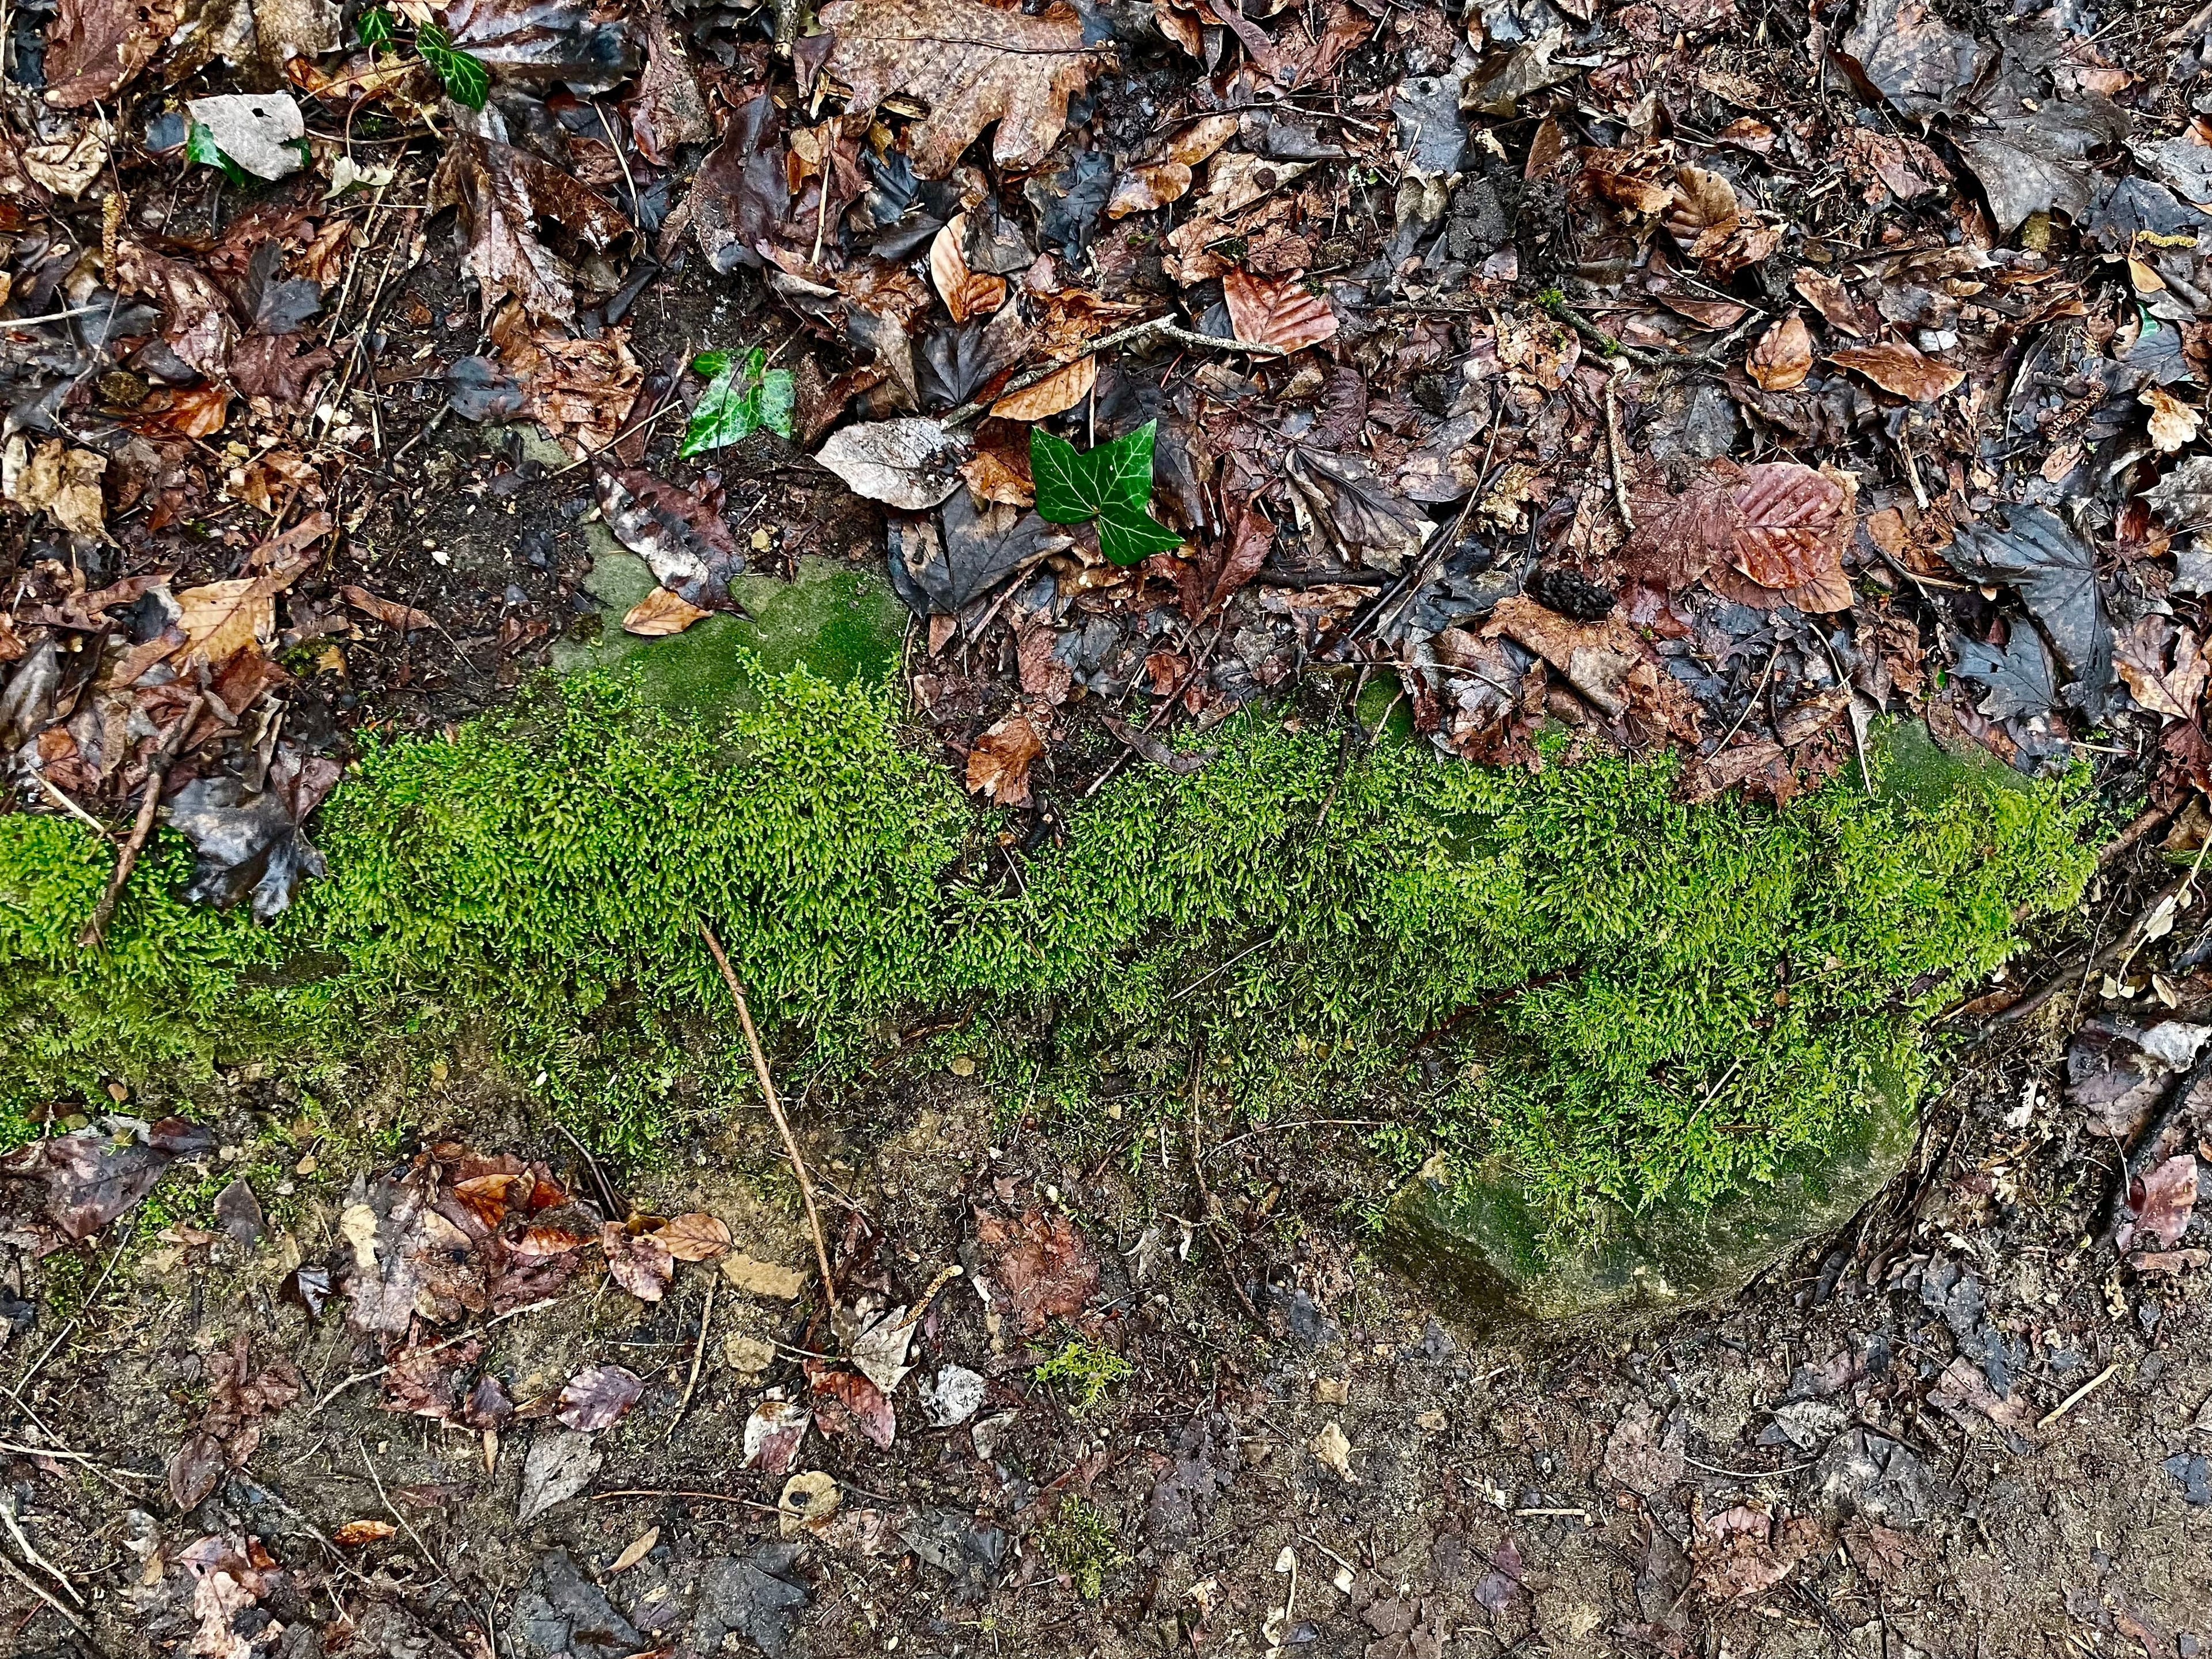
{"type": "Point", "coordinates": [1079, 1538]}
{"type": "Point", "coordinates": [1624, 996]}
{"type": "Point", "coordinates": [1081, 1372]}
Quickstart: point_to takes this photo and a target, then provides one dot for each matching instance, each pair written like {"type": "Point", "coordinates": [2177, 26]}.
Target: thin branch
{"type": "Point", "coordinates": [782, 1123]}
{"type": "Point", "coordinates": [1162, 323]}
{"type": "Point", "coordinates": [172, 742]}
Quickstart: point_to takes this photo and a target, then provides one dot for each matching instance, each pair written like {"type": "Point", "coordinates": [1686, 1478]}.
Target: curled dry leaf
{"type": "Point", "coordinates": [659, 614]}
{"type": "Point", "coordinates": [1061, 390]}
{"type": "Point", "coordinates": [1830, 299]}
{"type": "Point", "coordinates": [599, 1397]}
{"type": "Point", "coordinates": [2172, 423]}
{"type": "Point", "coordinates": [393, 615]}
{"type": "Point", "coordinates": [911, 462]}
{"type": "Point", "coordinates": [1902, 369]}
{"type": "Point", "coordinates": [2163, 666]}
{"type": "Point", "coordinates": [966, 293]}
{"type": "Point", "coordinates": [354, 1534]}
{"type": "Point", "coordinates": [973, 63]}
{"type": "Point", "coordinates": [1783, 357]}
{"type": "Point", "coordinates": [57, 479]}
{"type": "Point", "coordinates": [640, 1263]}
{"type": "Point", "coordinates": [1142, 189]}
{"type": "Point", "coordinates": [1701, 212]}
{"type": "Point", "coordinates": [1276, 311]}
{"type": "Point", "coordinates": [998, 764]}
{"type": "Point", "coordinates": [544, 1241]}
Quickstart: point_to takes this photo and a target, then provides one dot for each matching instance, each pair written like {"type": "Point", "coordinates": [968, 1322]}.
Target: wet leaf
{"type": "Point", "coordinates": [880, 1349]}
{"type": "Point", "coordinates": [401, 618]}
{"type": "Point", "coordinates": [1903, 369]}
{"type": "Point", "coordinates": [2164, 1200]}
{"type": "Point", "coordinates": [998, 764]}
{"type": "Point", "coordinates": [2021, 678]}
{"type": "Point", "coordinates": [561, 1464]}
{"type": "Point", "coordinates": [639, 1263]}
{"type": "Point", "coordinates": [972, 62]}
{"type": "Point", "coordinates": [690, 549]}
{"type": "Point", "coordinates": [1366, 523]}
{"type": "Point", "coordinates": [1142, 189]}
{"type": "Point", "coordinates": [742, 395]}
{"type": "Point", "coordinates": [2056, 572]}
{"type": "Point", "coordinates": [1059, 391]}
{"type": "Point", "coordinates": [1783, 357]}
{"type": "Point", "coordinates": [1041, 1265]}
{"type": "Point", "coordinates": [1912, 57]}
{"type": "Point", "coordinates": [353, 1534]}
{"type": "Point", "coordinates": [1276, 311]}
{"type": "Point", "coordinates": [253, 842]}
{"type": "Point", "coordinates": [2172, 423]}
{"type": "Point", "coordinates": [2163, 666]}
{"type": "Point", "coordinates": [503, 194]}
{"type": "Point", "coordinates": [848, 1402]}
{"type": "Point", "coordinates": [1110, 484]}
{"type": "Point", "coordinates": [911, 462]}
{"type": "Point", "coordinates": [599, 1397]}
{"type": "Point", "coordinates": [1781, 526]}
{"type": "Point", "coordinates": [195, 1469]}
{"type": "Point", "coordinates": [2036, 160]}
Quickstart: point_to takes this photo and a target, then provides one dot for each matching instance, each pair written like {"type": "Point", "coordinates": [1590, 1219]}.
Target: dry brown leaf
{"type": "Point", "coordinates": [1830, 299]}
{"type": "Point", "coordinates": [1142, 189]}
{"type": "Point", "coordinates": [2171, 688]}
{"type": "Point", "coordinates": [390, 612]}
{"type": "Point", "coordinates": [1198, 141]}
{"type": "Point", "coordinates": [966, 293]}
{"type": "Point", "coordinates": [659, 614]}
{"type": "Point", "coordinates": [354, 1534]}
{"type": "Point", "coordinates": [1042, 1264]}
{"type": "Point", "coordinates": [599, 1397]}
{"type": "Point", "coordinates": [635, 1551]}
{"type": "Point", "coordinates": [223, 618]}
{"type": "Point", "coordinates": [2172, 423]}
{"type": "Point", "coordinates": [1780, 525]}
{"type": "Point", "coordinates": [1902, 369]}
{"type": "Point", "coordinates": [53, 478]}
{"type": "Point", "coordinates": [1783, 357]}
{"type": "Point", "coordinates": [1611, 665]}
{"type": "Point", "coordinates": [695, 1236]}
{"type": "Point", "coordinates": [998, 764]}
{"type": "Point", "coordinates": [972, 62]}
{"type": "Point", "coordinates": [1276, 311]}
{"type": "Point", "coordinates": [990, 479]}
{"type": "Point", "coordinates": [1701, 212]}
{"type": "Point", "coordinates": [1061, 390]}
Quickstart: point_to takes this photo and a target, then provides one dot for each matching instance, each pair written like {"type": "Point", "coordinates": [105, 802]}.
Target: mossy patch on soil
{"type": "Point", "coordinates": [1569, 972]}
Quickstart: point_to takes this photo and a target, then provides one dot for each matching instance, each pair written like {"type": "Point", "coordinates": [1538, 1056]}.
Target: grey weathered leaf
{"type": "Point", "coordinates": [690, 549]}
{"type": "Point", "coordinates": [2056, 572]}
{"type": "Point", "coordinates": [2036, 161]}
{"type": "Point", "coordinates": [2182, 165]}
{"type": "Point", "coordinates": [911, 462]}
{"type": "Point", "coordinates": [2021, 679]}
{"type": "Point", "coordinates": [259, 131]}
{"type": "Point", "coordinates": [1364, 520]}
{"type": "Point", "coordinates": [561, 1464]}
{"type": "Point", "coordinates": [2182, 498]}
{"type": "Point", "coordinates": [1912, 57]}
{"type": "Point", "coordinates": [599, 1397]}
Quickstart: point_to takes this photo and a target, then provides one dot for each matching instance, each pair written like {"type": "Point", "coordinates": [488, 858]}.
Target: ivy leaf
{"type": "Point", "coordinates": [740, 399]}
{"type": "Point", "coordinates": [1127, 534]}
{"type": "Point", "coordinates": [466, 80]}
{"type": "Point", "coordinates": [201, 147]}
{"type": "Point", "coordinates": [374, 25]}
{"type": "Point", "coordinates": [1111, 483]}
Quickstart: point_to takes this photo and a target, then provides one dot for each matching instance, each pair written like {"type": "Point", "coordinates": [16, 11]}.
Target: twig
{"type": "Point", "coordinates": [681, 1492]}
{"type": "Point", "coordinates": [382, 1370]}
{"type": "Point", "coordinates": [782, 1123]}
{"type": "Point", "coordinates": [384, 1498]}
{"type": "Point", "coordinates": [622, 160]}
{"type": "Point", "coordinates": [699, 1354]}
{"type": "Point", "coordinates": [31, 1555]}
{"type": "Point", "coordinates": [51, 317]}
{"type": "Point", "coordinates": [173, 741]}
{"type": "Point", "coordinates": [607, 448]}
{"type": "Point", "coordinates": [71, 807]}
{"type": "Point", "coordinates": [1162, 323]}
{"type": "Point", "coordinates": [2078, 1396]}
{"type": "Point", "coordinates": [1616, 452]}
{"type": "Point", "coordinates": [47, 1596]}
{"type": "Point", "coordinates": [1604, 341]}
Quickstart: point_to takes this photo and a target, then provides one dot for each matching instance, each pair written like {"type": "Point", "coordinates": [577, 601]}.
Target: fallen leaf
{"type": "Point", "coordinates": [195, 1468]}
{"type": "Point", "coordinates": [813, 1495]}
{"type": "Point", "coordinates": [2021, 678]}
{"type": "Point", "coordinates": [1140, 190]}
{"type": "Point", "coordinates": [62, 481]}
{"type": "Point", "coordinates": [2172, 423]}
{"type": "Point", "coordinates": [1041, 1264]}
{"type": "Point", "coordinates": [669, 109]}
{"type": "Point", "coordinates": [1781, 525]}
{"type": "Point", "coordinates": [966, 293]}
{"type": "Point", "coordinates": [659, 614]}
{"type": "Point", "coordinates": [2163, 1201]}
{"type": "Point", "coordinates": [953, 1396]}
{"type": "Point", "coordinates": [393, 615]}
{"type": "Point", "coordinates": [640, 1263]}
{"type": "Point", "coordinates": [695, 1236]}
{"type": "Point", "coordinates": [911, 462]}
{"type": "Point", "coordinates": [1701, 212]}
{"type": "Point", "coordinates": [1783, 357]}
{"type": "Point", "coordinates": [848, 1402]}
{"type": "Point", "coordinates": [223, 618]}
{"type": "Point", "coordinates": [252, 842]}
{"type": "Point", "coordinates": [1366, 522]}
{"type": "Point", "coordinates": [635, 1551]}
{"type": "Point", "coordinates": [2171, 688]}
{"type": "Point", "coordinates": [599, 1397]}
{"type": "Point", "coordinates": [355, 1534]}
{"type": "Point", "coordinates": [972, 62]}
{"type": "Point", "coordinates": [561, 1464]}
{"type": "Point", "coordinates": [2056, 572]}
{"type": "Point", "coordinates": [880, 1349]}
{"type": "Point", "coordinates": [1828, 296]}
{"type": "Point", "coordinates": [690, 549]}
{"type": "Point", "coordinates": [2035, 159]}
{"type": "Point", "coordinates": [1909, 55]}
{"type": "Point", "coordinates": [762, 1278]}
{"type": "Point", "coordinates": [1904, 369]}
{"type": "Point", "coordinates": [1334, 1451]}
{"type": "Point", "coordinates": [69, 163]}
{"type": "Point", "coordinates": [1743, 1551]}
{"type": "Point", "coordinates": [1276, 311]}
{"type": "Point", "coordinates": [1059, 391]}
{"type": "Point", "coordinates": [773, 1433]}
{"type": "Point", "coordinates": [259, 131]}
{"type": "Point", "coordinates": [999, 763]}
{"type": "Point", "coordinates": [502, 193]}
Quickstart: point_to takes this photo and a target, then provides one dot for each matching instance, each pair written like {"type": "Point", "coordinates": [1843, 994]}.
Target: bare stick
{"type": "Point", "coordinates": [148, 807]}
{"type": "Point", "coordinates": [1616, 451]}
{"type": "Point", "coordinates": [699, 1354]}
{"type": "Point", "coordinates": [385, 1370]}
{"type": "Point", "coordinates": [45, 1595]}
{"type": "Point", "coordinates": [1162, 323]}
{"type": "Point", "coordinates": [775, 1111]}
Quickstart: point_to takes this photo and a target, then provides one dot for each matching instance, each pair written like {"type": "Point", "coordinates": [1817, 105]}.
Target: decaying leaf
{"type": "Point", "coordinates": [1904, 369]}
{"type": "Point", "coordinates": [2163, 666]}
{"type": "Point", "coordinates": [1366, 521]}
{"type": "Point", "coordinates": [973, 63]}
{"type": "Point", "coordinates": [912, 462]}
{"type": "Point", "coordinates": [773, 1433]}
{"type": "Point", "coordinates": [2172, 423]}
{"type": "Point", "coordinates": [1781, 526]}
{"type": "Point", "coordinates": [1783, 357]}
{"type": "Point", "coordinates": [659, 614]}
{"type": "Point", "coordinates": [1276, 311]}
{"type": "Point", "coordinates": [639, 1263]}
{"type": "Point", "coordinates": [694, 1236]}
{"type": "Point", "coordinates": [848, 1403]}
{"type": "Point", "coordinates": [402, 618]}
{"type": "Point", "coordinates": [259, 131]}
{"type": "Point", "coordinates": [599, 1397]}
{"type": "Point", "coordinates": [2056, 572]}
{"type": "Point", "coordinates": [1061, 390]}
{"type": "Point", "coordinates": [561, 1464]}
{"type": "Point", "coordinates": [503, 194]}
{"type": "Point", "coordinates": [57, 479]}
{"type": "Point", "coordinates": [250, 841]}
{"type": "Point", "coordinates": [998, 764]}
{"type": "Point", "coordinates": [354, 1535]}
{"type": "Point", "coordinates": [1041, 1265]}
{"type": "Point", "coordinates": [690, 550]}
{"type": "Point", "coordinates": [966, 293]}
{"type": "Point", "coordinates": [56, 1191]}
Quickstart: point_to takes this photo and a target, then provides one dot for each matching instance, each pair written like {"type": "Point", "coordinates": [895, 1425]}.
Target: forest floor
{"type": "Point", "coordinates": [1684, 374]}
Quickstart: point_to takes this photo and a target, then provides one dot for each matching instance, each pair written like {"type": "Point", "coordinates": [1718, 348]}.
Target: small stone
{"type": "Point", "coordinates": [1335, 1450]}
{"type": "Point", "coordinates": [1434, 1421]}
{"type": "Point", "coordinates": [811, 1495]}
{"type": "Point", "coordinates": [748, 1356]}
{"type": "Point", "coordinates": [1333, 1390]}
{"type": "Point", "coordinates": [962, 1066]}
{"type": "Point", "coordinates": [762, 1278]}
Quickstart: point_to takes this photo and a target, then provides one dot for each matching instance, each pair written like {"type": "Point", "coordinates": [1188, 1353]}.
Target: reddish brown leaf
{"type": "Point", "coordinates": [393, 615]}
{"type": "Point", "coordinates": [1903, 369]}
{"type": "Point", "coordinates": [695, 1236]}
{"type": "Point", "coordinates": [1041, 1264]}
{"type": "Point", "coordinates": [642, 1265]}
{"type": "Point", "coordinates": [549, 1241]}
{"type": "Point", "coordinates": [1701, 212]}
{"type": "Point", "coordinates": [1783, 357]}
{"type": "Point", "coordinates": [1830, 299]}
{"type": "Point", "coordinates": [599, 1397]}
{"type": "Point", "coordinates": [1782, 526]}
{"type": "Point", "coordinates": [355, 1534]}
{"type": "Point", "coordinates": [998, 764]}
{"type": "Point", "coordinates": [1276, 311]}
{"type": "Point", "coordinates": [848, 1403]}
{"type": "Point", "coordinates": [2163, 666]}
{"type": "Point", "coordinates": [2164, 1199]}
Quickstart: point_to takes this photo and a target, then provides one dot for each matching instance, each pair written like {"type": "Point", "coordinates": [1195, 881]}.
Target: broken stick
{"type": "Point", "coordinates": [782, 1123]}
{"type": "Point", "coordinates": [173, 743]}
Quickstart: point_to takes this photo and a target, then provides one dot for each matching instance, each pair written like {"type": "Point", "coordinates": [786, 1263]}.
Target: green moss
{"type": "Point", "coordinates": [1081, 1372]}
{"type": "Point", "coordinates": [1618, 995]}
{"type": "Point", "coordinates": [1078, 1538]}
